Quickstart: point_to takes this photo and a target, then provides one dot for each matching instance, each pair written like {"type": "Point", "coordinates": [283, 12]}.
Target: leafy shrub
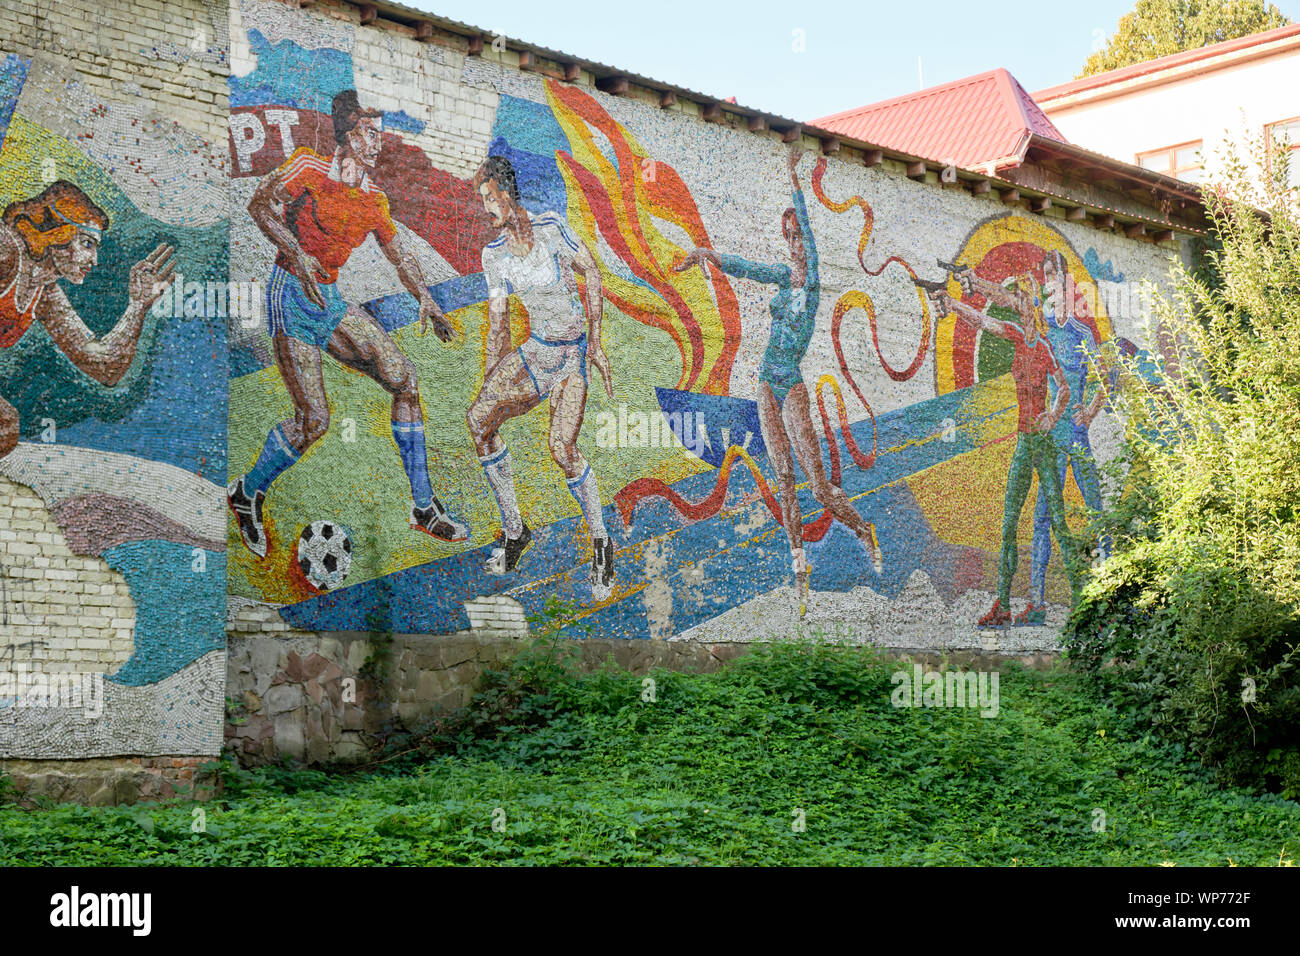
{"type": "Point", "coordinates": [525, 693]}
{"type": "Point", "coordinates": [816, 673]}
{"type": "Point", "coordinates": [1194, 622]}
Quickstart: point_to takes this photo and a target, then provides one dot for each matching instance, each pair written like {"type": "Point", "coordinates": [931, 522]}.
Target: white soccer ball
{"type": "Point", "coordinates": [325, 554]}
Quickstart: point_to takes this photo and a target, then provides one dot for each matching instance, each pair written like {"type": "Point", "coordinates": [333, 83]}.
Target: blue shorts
{"type": "Point", "coordinates": [289, 311]}
{"type": "Point", "coordinates": [549, 361]}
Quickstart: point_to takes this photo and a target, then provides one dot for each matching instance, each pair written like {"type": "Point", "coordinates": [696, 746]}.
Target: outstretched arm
{"type": "Point", "coordinates": [809, 244]}
{"type": "Point", "coordinates": [412, 276]}
{"type": "Point", "coordinates": [946, 303]}
{"type": "Point", "coordinates": [801, 214]}
{"type": "Point", "coordinates": [992, 292]}
{"type": "Point", "coordinates": [106, 359]}
{"type": "Point", "coordinates": [775, 274]}
{"type": "Point", "coordinates": [585, 263]}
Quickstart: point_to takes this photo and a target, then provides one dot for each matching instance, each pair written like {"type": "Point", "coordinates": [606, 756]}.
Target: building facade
{"type": "Point", "coordinates": [1176, 114]}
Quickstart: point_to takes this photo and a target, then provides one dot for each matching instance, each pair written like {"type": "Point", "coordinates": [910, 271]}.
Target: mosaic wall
{"type": "Point", "coordinates": [113, 373]}
{"type": "Point", "coordinates": [308, 326]}
{"type": "Point", "coordinates": [519, 338]}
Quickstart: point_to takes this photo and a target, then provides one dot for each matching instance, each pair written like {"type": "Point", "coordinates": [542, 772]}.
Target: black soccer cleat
{"type": "Point", "coordinates": [435, 521]}
{"type": "Point", "coordinates": [602, 568]}
{"type": "Point", "coordinates": [248, 514]}
{"type": "Point", "coordinates": [506, 552]}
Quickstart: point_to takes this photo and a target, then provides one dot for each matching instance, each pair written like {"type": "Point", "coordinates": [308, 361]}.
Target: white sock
{"type": "Point", "coordinates": [502, 479]}
{"type": "Point", "coordinates": [583, 488]}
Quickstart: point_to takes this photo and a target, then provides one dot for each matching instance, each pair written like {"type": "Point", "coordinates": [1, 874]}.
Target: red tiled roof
{"type": "Point", "coordinates": [970, 122]}
{"type": "Point", "coordinates": [1169, 62]}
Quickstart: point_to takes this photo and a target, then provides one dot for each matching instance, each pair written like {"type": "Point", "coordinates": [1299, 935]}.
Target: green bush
{"type": "Point", "coordinates": [1194, 622]}
{"type": "Point", "coordinates": [523, 694]}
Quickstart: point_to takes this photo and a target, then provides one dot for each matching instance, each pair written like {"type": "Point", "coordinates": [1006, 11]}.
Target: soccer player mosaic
{"type": "Point", "coordinates": [571, 251]}
{"type": "Point", "coordinates": [862, 394]}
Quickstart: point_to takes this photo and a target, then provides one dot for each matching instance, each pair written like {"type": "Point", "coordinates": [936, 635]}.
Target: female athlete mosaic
{"type": "Point", "coordinates": [783, 408]}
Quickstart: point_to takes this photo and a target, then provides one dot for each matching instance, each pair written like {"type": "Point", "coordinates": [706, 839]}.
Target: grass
{"type": "Point", "coordinates": [718, 769]}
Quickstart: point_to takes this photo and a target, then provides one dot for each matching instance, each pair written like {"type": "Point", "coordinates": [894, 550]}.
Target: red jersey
{"type": "Point", "coordinates": [15, 320]}
{"type": "Point", "coordinates": [329, 218]}
{"type": "Point", "coordinates": [1030, 369]}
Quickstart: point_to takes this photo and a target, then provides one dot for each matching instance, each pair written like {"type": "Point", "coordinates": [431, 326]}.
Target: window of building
{"type": "Point", "coordinates": [1182, 161]}
{"type": "Point", "coordinates": [1286, 133]}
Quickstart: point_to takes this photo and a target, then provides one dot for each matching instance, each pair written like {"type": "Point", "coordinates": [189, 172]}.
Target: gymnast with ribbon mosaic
{"type": "Point", "coordinates": [784, 410]}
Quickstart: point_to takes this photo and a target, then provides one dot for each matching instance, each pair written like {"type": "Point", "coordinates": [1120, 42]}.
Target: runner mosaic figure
{"type": "Point", "coordinates": [55, 235]}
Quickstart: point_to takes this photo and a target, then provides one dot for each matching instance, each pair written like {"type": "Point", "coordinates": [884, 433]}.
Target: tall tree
{"type": "Point", "coordinates": [1160, 27]}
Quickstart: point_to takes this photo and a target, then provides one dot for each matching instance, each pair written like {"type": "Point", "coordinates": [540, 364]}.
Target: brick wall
{"type": "Point", "coordinates": [69, 612]}
{"type": "Point", "coordinates": [172, 53]}
{"type": "Point", "coordinates": [110, 537]}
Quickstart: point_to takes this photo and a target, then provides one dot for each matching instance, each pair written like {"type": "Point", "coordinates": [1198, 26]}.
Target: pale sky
{"type": "Point", "coordinates": [854, 52]}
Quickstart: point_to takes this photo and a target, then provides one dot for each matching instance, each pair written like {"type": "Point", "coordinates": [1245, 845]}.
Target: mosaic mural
{"type": "Point", "coordinates": [419, 329]}
{"type": "Point", "coordinates": [113, 411]}
{"type": "Point", "coordinates": [671, 372]}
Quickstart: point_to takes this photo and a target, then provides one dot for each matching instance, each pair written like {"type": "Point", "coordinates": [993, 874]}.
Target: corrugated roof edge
{"type": "Point", "coordinates": [412, 17]}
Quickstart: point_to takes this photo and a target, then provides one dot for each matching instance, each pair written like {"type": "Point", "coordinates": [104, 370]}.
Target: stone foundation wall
{"type": "Point", "coordinates": [307, 698]}
{"type": "Point", "coordinates": [107, 782]}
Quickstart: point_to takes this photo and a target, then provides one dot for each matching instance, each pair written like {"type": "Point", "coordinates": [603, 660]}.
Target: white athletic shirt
{"type": "Point", "coordinates": [543, 279]}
